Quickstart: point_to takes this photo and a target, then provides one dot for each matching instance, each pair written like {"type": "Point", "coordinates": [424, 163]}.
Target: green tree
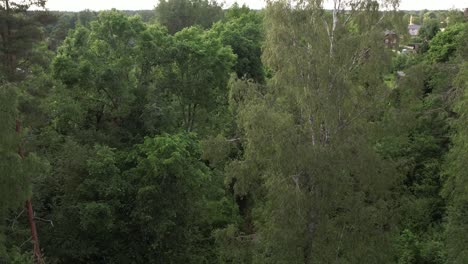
{"type": "Point", "coordinates": [428, 31]}
{"type": "Point", "coordinates": [421, 107]}
{"type": "Point", "coordinates": [66, 21]}
{"type": "Point", "coordinates": [99, 73]}
{"type": "Point", "coordinates": [177, 200]}
{"type": "Point", "coordinates": [12, 179]}
{"type": "Point", "coordinates": [198, 76]}
{"type": "Point", "coordinates": [309, 136]}
{"type": "Point", "coordinates": [157, 202]}
{"type": "Point", "coordinates": [16, 172]}
{"type": "Point", "coordinates": [444, 44]}
{"type": "Point", "coordinates": [455, 170]}
{"type": "Point", "coordinates": [18, 33]}
{"type": "Point", "coordinates": [179, 14]}
{"type": "Point", "coordinates": [242, 30]}
{"type": "Point", "coordinates": [418, 118]}
{"type": "Point", "coordinates": [457, 183]}
{"type": "Point", "coordinates": [125, 200]}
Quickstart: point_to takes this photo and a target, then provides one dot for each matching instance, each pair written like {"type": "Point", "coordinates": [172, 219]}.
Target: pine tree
{"type": "Point", "coordinates": [19, 31]}
{"type": "Point", "coordinates": [16, 171]}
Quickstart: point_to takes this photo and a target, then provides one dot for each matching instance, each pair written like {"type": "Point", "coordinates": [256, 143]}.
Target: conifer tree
{"type": "Point", "coordinates": [19, 31]}
{"type": "Point", "coordinates": [16, 171]}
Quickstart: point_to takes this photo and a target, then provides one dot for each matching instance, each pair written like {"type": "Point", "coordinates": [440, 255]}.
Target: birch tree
{"type": "Point", "coordinates": [321, 193]}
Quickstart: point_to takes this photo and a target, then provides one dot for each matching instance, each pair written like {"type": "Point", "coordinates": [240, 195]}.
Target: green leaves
{"type": "Point", "coordinates": [305, 185]}
{"type": "Point", "coordinates": [99, 70]}
{"type": "Point", "coordinates": [179, 14]}
{"type": "Point", "coordinates": [14, 187]}
{"type": "Point", "coordinates": [242, 30]}
{"type": "Point", "coordinates": [170, 144]}
{"type": "Point", "coordinates": [443, 46]}
{"type": "Point", "coordinates": [456, 186]}
{"type": "Point", "coordinates": [118, 69]}
{"type": "Point", "coordinates": [198, 76]}
{"type": "Point", "coordinates": [173, 197]}
{"type": "Point", "coordinates": [16, 172]}
{"type": "Point", "coordinates": [20, 32]}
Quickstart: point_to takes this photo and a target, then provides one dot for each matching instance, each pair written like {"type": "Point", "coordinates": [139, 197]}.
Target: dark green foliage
{"type": "Point", "coordinates": [199, 74]}
{"type": "Point", "coordinates": [16, 173]}
{"type": "Point", "coordinates": [173, 143]}
{"type": "Point", "coordinates": [179, 14]}
{"type": "Point", "coordinates": [121, 199]}
{"type": "Point", "coordinates": [423, 109]}
{"type": "Point", "coordinates": [455, 189]}
{"type": "Point", "coordinates": [173, 200]}
{"type": "Point", "coordinates": [66, 22]}
{"type": "Point", "coordinates": [13, 188]}
{"type": "Point", "coordinates": [427, 32]}
{"type": "Point", "coordinates": [242, 30]}
{"type": "Point", "coordinates": [158, 203]}
{"type": "Point", "coordinates": [19, 32]}
{"type": "Point", "coordinates": [420, 117]}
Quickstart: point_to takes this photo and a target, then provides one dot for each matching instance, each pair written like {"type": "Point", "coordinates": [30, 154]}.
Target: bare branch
{"type": "Point", "coordinates": [13, 222]}
{"type": "Point", "coordinates": [45, 220]}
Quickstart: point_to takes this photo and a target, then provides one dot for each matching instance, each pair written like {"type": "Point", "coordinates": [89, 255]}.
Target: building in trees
{"type": "Point", "coordinates": [413, 29]}
{"type": "Point", "coordinates": [391, 39]}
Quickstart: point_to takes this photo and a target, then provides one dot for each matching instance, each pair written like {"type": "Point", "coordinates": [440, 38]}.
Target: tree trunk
{"type": "Point", "coordinates": [32, 224]}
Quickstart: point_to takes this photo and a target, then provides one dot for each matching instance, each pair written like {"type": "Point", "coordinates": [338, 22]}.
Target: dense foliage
{"type": "Point", "coordinates": [194, 134]}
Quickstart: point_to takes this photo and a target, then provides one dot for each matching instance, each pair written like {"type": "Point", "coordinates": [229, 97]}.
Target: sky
{"type": "Point", "coordinates": [77, 5]}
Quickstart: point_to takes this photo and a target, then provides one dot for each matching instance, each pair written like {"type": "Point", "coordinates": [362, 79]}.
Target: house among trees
{"type": "Point", "coordinates": [411, 48]}
{"type": "Point", "coordinates": [391, 39]}
{"type": "Point", "coordinates": [413, 29]}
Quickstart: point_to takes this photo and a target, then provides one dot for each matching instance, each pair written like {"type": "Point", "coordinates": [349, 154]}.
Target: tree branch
{"type": "Point", "coordinates": [45, 220]}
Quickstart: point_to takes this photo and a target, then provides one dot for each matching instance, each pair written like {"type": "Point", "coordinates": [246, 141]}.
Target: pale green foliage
{"type": "Point", "coordinates": [308, 139]}
{"type": "Point", "coordinates": [234, 247]}
{"type": "Point", "coordinates": [216, 150]}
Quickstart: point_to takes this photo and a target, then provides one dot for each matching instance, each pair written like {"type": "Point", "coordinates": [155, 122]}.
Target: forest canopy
{"type": "Point", "coordinates": [201, 133]}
